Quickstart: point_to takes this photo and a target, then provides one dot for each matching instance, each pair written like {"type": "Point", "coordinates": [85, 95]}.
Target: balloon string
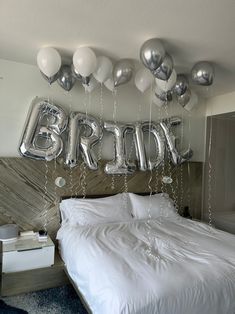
{"type": "Point", "coordinates": [149, 250]}
{"type": "Point", "coordinates": [82, 179]}
{"type": "Point", "coordinates": [70, 168]}
{"type": "Point", "coordinates": [188, 163]}
{"type": "Point", "coordinates": [210, 173]}
{"type": "Point", "coordinates": [181, 166]}
{"type": "Point", "coordinates": [125, 190]}
{"type": "Point", "coordinates": [101, 119]}
{"type": "Point", "coordinates": [54, 177]}
{"type": "Point", "coordinates": [156, 186]}
{"type": "Point", "coordinates": [45, 212]}
{"type": "Point", "coordinates": [115, 122]}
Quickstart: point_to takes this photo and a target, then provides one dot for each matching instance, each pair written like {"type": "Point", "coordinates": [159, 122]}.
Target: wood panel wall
{"type": "Point", "coordinates": [220, 178]}
{"type": "Point", "coordinates": [29, 197]}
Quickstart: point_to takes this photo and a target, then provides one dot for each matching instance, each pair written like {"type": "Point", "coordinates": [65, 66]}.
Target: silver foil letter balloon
{"type": "Point", "coordinates": [41, 137]}
{"type": "Point", "coordinates": [119, 165]}
{"type": "Point", "coordinates": [156, 131]}
{"type": "Point", "coordinates": [77, 141]}
{"type": "Point", "coordinates": [176, 157]}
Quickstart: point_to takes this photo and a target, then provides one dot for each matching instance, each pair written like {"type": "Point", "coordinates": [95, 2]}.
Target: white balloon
{"type": "Point", "coordinates": [143, 79]}
{"type": "Point", "coordinates": [110, 84]}
{"type": "Point", "coordinates": [48, 61]}
{"type": "Point", "coordinates": [84, 61]}
{"type": "Point", "coordinates": [104, 69]}
{"type": "Point", "coordinates": [167, 85]}
{"type": "Point", "coordinates": [192, 102]}
{"type": "Point", "coordinates": [91, 85]}
{"type": "Point", "coordinates": [60, 182]}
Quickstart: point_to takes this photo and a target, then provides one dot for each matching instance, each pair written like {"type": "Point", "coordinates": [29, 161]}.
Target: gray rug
{"type": "Point", "coordinates": [61, 300]}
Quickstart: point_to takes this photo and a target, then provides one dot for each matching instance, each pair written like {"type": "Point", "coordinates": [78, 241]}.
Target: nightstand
{"type": "Point", "coordinates": [28, 265]}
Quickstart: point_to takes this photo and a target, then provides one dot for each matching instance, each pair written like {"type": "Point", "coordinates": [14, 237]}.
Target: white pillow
{"type": "Point", "coordinates": [97, 210]}
{"type": "Point", "coordinates": [153, 206]}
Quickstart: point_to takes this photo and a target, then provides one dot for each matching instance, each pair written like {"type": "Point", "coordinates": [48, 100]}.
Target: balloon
{"type": "Point", "coordinates": [140, 128]}
{"type": "Point", "coordinates": [91, 85]}
{"type": "Point", "coordinates": [42, 140]}
{"type": "Point", "coordinates": [49, 63]}
{"type": "Point", "coordinates": [66, 79]}
{"type": "Point", "coordinates": [60, 182]}
{"type": "Point", "coordinates": [163, 72]}
{"type": "Point", "coordinates": [52, 78]}
{"type": "Point", "coordinates": [176, 157]}
{"type": "Point", "coordinates": [120, 164]}
{"type": "Point", "coordinates": [152, 53]}
{"type": "Point", "coordinates": [122, 72]}
{"type": "Point", "coordinates": [110, 84]}
{"type": "Point", "coordinates": [77, 142]}
{"type": "Point", "coordinates": [104, 69]}
{"type": "Point", "coordinates": [185, 98]}
{"type": "Point", "coordinates": [203, 73]}
{"type": "Point", "coordinates": [167, 180]}
{"type": "Point", "coordinates": [181, 85]}
{"type": "Point", "coordinates": [167, 85]}
{"type": "Point", "coordinates": [84, 61]}
{"type": "Point", "coordinates": [192, 102]}
{"type": "Point", "coordinates": [143, 80]}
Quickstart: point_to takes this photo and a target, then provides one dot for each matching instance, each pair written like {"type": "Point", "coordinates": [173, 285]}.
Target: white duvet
{"type": "Point", "coordinates": [188, 269]}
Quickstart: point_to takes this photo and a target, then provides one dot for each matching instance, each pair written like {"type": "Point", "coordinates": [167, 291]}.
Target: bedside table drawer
{"type": "Point", "coordinates": [20, 260]}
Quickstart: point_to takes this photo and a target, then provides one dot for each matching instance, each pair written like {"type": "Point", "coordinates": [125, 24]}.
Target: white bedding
{"type": "Point", "coordinates": [190, 270]}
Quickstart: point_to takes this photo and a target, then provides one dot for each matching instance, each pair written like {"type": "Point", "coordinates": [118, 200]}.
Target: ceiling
{"type": "Point", "coordinates": [191, 30]}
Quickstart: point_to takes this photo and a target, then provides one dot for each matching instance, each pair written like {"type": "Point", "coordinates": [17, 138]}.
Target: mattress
{"type": "Point", "coordinates": [164, 266]}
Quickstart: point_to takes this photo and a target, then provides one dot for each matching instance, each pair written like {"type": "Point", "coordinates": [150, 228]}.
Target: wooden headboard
{"type": "Point", "coordinates": [28, 197]}
{"type": "Point", "coordinates": [65, 197]}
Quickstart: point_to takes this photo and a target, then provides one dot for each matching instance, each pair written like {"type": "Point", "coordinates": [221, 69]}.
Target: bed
{"type": "Point", "coordinates": [134, 254]}
{"type": "Point", "coordinates": [224, 220]}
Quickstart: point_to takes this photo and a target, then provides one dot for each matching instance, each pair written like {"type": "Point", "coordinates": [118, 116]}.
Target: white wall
{"type": "Point", "coordinates": [221, 104]}
{"type": "Point", "coordinates": [21, 83]}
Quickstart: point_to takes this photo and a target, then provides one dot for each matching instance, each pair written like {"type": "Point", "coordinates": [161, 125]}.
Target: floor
{"type": "Point", "coordinates": [51, 301]}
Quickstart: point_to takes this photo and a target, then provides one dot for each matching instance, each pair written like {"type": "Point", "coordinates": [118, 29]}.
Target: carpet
{"type": "Point", "coordinates": [61, 300]}
{"type": "Point", "coordinates": [7, 309]}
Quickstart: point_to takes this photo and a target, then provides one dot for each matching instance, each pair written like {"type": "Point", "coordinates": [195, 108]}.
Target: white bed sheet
{"type": "Point", "coordinates": [191, 269]}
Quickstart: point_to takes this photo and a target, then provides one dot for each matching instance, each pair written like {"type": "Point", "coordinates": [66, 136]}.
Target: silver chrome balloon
{"type": "Point", "coordinates": [185, 98]}
{"type": "Point", "coordinates": [122, 72]}
{"type": "Point", "coordinates": [66, 79]}
{"type": "Point", "coordinates": [51, 79]}
{"type": "Point", "coordinates": [41, 138]}
{"type": "Point", "coordinates": [163, 72]}
{"type": "Point", "coordinates": [119, 165]}
{"type": "Point", "coordinates": [156, 131]}
{"type": "Point", "coordinates": [176, 157]}
{"type": "Point", "coordinates": [84, 143]}
{"type": "Point", "coordinates": [152, 53]}
{"type": "Point", "coordinates": [203, 73]}
{"type": "Point", "coordinates": [181, 85]}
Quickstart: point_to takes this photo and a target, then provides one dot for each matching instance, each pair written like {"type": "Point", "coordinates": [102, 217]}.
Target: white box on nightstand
{"type": "Point", "coordinates": [27, 253]}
